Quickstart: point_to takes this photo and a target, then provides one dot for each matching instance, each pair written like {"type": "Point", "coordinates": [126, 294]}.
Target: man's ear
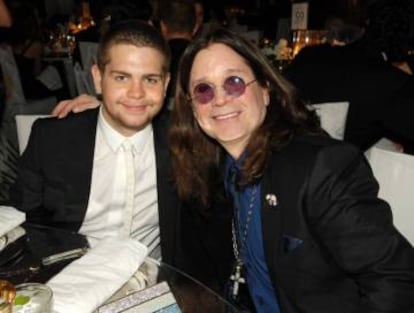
{"type": "Point", "coordinates": [163, 29]}
{"type": "Point", "coordinates": [97, 78]}
{"type": "Point", "coordinates": [266, 95]}
{"type": "Point", "coordinates": [166, 82]}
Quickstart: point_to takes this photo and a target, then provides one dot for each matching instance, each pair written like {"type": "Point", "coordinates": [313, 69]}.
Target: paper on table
{"type": "Point", "coordinates": [10, 218]}
{"type": "Point", "coordinates": [89, 281]}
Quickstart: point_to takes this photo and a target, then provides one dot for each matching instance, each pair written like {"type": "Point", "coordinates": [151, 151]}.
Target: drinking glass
{"type": "Point", "coordinates": [33, 298]}
{"type": "Point", "coordinates": [7, 293]}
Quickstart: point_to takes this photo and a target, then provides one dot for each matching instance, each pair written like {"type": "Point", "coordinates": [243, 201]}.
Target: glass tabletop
{"type": "Point", "coordinates": [190, 295]}
{"type": "Point", "coordinates": [23, 261]}
{"type": "Point", "coordinates": [30, 261]}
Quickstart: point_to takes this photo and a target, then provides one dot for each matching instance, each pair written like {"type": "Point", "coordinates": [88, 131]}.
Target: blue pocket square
{"type": "Point", "coordinates": [291, 243]}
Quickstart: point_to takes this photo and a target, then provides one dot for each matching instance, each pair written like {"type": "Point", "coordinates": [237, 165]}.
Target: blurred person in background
{"type": "Point", "coordinates": [341, 32]}
{"type": "Point", "coordinates": [5, 16]}
{"type": "Point", "coordinates": [27, 40]}
{"type": "Point", "coordinates": [199, 10]}
{"type": "Point", "coordinates": [389, 29]}
{"type": "Point", "coordinates": [122, 10]}
{"type": "Point", "coordinates": [380, 96]}
{"type": "Point", "coordinates": [177, 21]}
{"type": "Point", "coordinates": [109, 12]}
{"type": "Point", "coordinates": [5, 21]}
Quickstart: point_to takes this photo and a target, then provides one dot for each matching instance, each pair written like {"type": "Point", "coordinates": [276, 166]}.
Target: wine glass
{"type": "Point", "coordinates": [33, 298]}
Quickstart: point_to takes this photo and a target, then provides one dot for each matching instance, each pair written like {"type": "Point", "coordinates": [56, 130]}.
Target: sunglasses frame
{"type": "Point", "coordinates": [214, 87]}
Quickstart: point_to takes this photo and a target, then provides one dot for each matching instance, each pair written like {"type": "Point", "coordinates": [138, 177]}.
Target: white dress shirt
{"type": "Point", "coordinates": [107, 198]}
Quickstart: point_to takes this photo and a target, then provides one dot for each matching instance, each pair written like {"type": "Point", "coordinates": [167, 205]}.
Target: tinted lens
{"type": "Point", "coordinates": [234, 86]}
{"type": "Point", "coordinates": [203, 93]}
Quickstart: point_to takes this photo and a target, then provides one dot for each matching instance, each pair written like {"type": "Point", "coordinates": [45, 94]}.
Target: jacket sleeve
{"type": "Point", "coordinates": [28, 192]}
{"type": "Point", "coordinates": [356, 229]}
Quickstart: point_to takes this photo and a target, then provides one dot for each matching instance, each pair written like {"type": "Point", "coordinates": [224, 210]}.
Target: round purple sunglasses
{"type": "Point", "coordinates": [234, 86]}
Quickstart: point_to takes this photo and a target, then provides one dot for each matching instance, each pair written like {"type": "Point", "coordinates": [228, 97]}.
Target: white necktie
{"type": "Point", "coordinates": [129, 187]}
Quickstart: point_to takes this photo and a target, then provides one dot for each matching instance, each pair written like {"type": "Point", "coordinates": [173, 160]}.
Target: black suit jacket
{"type": "Point", "coordinates": [55, 172]}
{"type": "Point", "coordinates": [53, 186]}
{"type": "Point", "coordinates": [380, 95]}
{"type": "Point", "coordinates": [330, 244]}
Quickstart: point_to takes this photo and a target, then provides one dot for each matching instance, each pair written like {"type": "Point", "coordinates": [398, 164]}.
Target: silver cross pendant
{"type": "Point", "coordinates": [237, 278]}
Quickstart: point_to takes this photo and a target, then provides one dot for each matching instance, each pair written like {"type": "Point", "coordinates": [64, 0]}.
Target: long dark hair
{"type": "Point", "coordinates": [196, 157]}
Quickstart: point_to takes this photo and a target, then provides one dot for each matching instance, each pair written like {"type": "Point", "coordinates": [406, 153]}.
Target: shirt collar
{"type": "Point", "coordinates": [114, 139]}
{"type": "Point", "coordinates": [231, 163]}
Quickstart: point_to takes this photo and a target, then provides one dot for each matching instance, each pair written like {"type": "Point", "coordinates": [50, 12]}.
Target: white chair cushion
{"type": "Point", "coordinates": [24, 127]}
{"type": "Point", "coordinates": [333, 117]}
{"type": "Point", "coordinates": [83, 80]}
{"type": "Point", "coordinates": [394, 172]}
{"type": "Point", "coordinates": [89, 54]}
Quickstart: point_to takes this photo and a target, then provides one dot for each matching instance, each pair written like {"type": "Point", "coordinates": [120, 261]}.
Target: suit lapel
{"type": "Point", "coordinates": [85, 143]}
{"type": "Point", "coordinates": [70, 165]}
{"type": "Point", "coordinates": [271, 214]}
{"type": "Point", "coordinates": [284, 225]}
{"type": "Point", "coordinates": [167, 199]}
{"type": "Point", "coordinates": [281, 182]}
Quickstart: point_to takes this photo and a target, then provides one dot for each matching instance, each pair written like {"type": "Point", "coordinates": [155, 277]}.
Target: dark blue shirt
{"type": "Point", "coordinates": [252, 253]}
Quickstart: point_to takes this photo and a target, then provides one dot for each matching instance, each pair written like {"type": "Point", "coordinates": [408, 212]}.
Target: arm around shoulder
{"type": "Point", "coordinates": [76, 105]}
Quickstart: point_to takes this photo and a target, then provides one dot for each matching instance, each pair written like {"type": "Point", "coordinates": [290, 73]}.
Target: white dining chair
{"type": "Point", "coordinates": [394, 172]}
{"type": "Point", "coordinates": [24, 127]}
{"type": "Point", "coordinates": [83, 76]}
{"type": "Point", "coordinates": [11, 75]}
{"type": "Point", "coordinates": [16, 103]}
{"type": "Point", "coordinates": [83, 80]}
{"type": "Point", "coordinates": [88, 53]}
{"type": "Point", "coordinates": [333, 117]}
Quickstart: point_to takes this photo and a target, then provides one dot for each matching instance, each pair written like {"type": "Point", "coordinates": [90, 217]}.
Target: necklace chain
{"type": "Point", "coordinates": [240, 244]}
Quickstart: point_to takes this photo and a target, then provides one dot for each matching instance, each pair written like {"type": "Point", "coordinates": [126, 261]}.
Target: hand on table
{"type": "Point", "coordinates": [76, 105]}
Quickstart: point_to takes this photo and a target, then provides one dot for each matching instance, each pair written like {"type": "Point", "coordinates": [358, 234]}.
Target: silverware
{"type": "Point", "coordinates": [62, 256]}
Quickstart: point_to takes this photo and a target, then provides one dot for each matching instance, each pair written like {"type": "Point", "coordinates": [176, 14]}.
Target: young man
{"type": "Point", "coordinates": [74, 173]}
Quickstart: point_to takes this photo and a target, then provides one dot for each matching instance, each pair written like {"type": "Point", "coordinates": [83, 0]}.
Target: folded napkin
{"type": "Point", "coordinates": [89, 281]}
{"type": "Point", "coordinates": [10, 218]}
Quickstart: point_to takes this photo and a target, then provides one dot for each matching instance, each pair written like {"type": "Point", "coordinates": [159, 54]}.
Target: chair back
{"type": "Point", "coordinates": [333, 117]}
{"type": "Point", "coordinates": [16, 103]}
{"type": "Point", "coordinates": [88, 53]}
{"type": "Point", "coordinates": [24, 127]}
{"type": "Point", "coordinates": [83, 80]}
{"type": "Point", "coordinates": [14, 89]}
{"type": "Point", "coordinates": [394, 172]}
